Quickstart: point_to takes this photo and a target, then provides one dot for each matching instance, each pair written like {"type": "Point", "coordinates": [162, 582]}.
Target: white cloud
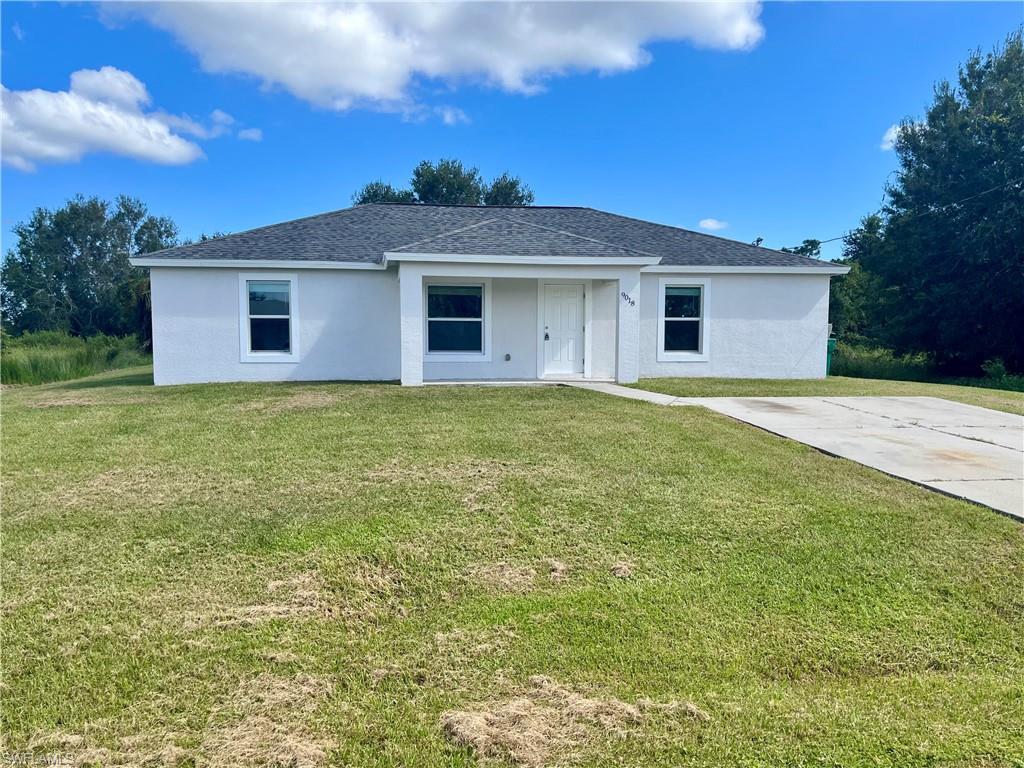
{"type": "Point", "coordinates": [220, 123]}
{"type": "Point", "coordinates": [220, 117]}
{"type": "Point", "coordinates": [250, 134]}
{"type": "Point", "coordinates": [101, 112]}
{"type": "Point", "coordinates": [340, 56]}
{"type": "Point", "coordinates": [110, 85]}
{"type": "Point", "coordinates": [451, 115]}
{"type": "Point", "coordinates": [889, 138]}
{"type": "Point", "coordinates": [18, 31]}
{"type": "Point", "coordinates": [713, 224]}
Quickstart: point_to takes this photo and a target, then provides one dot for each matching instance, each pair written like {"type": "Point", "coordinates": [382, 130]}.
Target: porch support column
{"type": "Point", "coordinates": [410, 290]}
{"type": "Point", "coordinates": [627, 359]}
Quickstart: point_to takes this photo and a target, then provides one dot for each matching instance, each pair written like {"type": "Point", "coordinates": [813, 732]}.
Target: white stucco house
{"type": "Point", "coordinates": [427, 293]}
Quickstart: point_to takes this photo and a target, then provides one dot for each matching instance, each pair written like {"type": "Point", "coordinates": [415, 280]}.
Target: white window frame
{"type": "Point", "coordinates": [246, 353]}
{"type": "Point", "coordinates": [483, 356]}
{"type": "Point", "coordinates": [675, 356]}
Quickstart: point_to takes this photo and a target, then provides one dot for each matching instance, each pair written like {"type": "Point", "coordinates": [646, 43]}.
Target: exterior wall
{"type": "Point", "coordinates": [513, 332]}
{"type": "Point", "coordinates": [348, 327]}
{"type": "Point", "coordinates": [604, 299]}
{"type": "Point", "coordinates": [350, 322]}
{"type": "Point", "coordinates": [760, 326]}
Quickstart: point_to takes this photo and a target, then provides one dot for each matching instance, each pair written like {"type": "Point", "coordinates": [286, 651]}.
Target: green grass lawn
{"type": "Point", "coordinates": [999, 399]}
{"type": "Point", "coordinates": [346, 574]}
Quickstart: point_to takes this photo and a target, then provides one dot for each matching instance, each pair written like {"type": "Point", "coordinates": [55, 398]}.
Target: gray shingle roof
{"type": "Point", "coordinates": [364, 233]}
{"type": "Point", "coordinates": [504, 236]}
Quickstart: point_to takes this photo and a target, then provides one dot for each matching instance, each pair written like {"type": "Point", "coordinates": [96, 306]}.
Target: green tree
{"type": "Point", "coordinates": [508, 190]}
{"type": "Point", "coordinates": [809, 248]}
{"type": "Point", "coordinates": [448, 183]}
{"type": "Point", "coordinates": [69, 270]}
{"type": "Point", "coordinates": [855, 298]}
{"type": "Point", "coordinates": [953, 261]}
{"type": "Point", "coordinates": [381, 192]}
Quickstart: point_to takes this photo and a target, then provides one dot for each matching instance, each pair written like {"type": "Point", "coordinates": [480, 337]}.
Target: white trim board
{"type": "Point", "coordinates": [646, 264]}
{"type": "Point", "coordinates": [608, 261]}
{"type": "Point", "coordinates": [142, 261]}
{"type": "Point", "coordinates": [713, 270]}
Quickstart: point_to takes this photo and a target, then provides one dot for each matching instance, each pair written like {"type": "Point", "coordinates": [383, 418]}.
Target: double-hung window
{"type": "Point", "coordinates": [455, 319]}
{"type": "Point", "coordinates": [682, 333]}
{"type": "Point", "coordinates": [268, 318]}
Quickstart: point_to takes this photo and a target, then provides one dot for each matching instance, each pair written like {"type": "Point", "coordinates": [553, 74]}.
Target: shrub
{"type": "Point", "coordinates": [36, 358]}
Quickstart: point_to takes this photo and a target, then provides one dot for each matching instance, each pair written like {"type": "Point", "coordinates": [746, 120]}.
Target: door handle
{"type": "Point", "coordinates": [546, 337]}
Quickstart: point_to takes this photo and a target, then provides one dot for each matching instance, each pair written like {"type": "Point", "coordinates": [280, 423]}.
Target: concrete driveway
{"type": "Point", "coordinates": [962, 450]}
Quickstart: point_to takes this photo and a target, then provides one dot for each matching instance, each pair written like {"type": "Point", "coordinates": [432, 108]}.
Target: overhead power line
{"type": "Point", "coordinates": [939, 209]}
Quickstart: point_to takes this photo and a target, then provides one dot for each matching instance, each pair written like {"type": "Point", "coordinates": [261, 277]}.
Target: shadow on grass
{"type": "Point", "coordinates": [128, 378]}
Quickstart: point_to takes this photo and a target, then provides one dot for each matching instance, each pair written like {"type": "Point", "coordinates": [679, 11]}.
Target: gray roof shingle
{"type": "Point", "coordinates": [364, 233]}
{"type": "Point", "coordinates": [504, 236]}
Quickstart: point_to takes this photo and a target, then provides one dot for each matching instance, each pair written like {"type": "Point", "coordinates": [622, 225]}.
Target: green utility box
{"type": "Point", "coordinates": [828, 356]}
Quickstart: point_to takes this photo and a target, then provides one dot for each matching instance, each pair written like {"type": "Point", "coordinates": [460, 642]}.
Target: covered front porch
{"type": "Point", "coordinates": [499, 321]}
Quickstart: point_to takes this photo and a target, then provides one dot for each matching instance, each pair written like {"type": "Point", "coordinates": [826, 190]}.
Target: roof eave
{"type": "Point", "coordinates": [753, 269]}
{"type": "Point", "coordinates": [149, 261]}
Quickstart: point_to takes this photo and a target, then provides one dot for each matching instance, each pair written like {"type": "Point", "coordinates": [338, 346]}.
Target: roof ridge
{"type": "Point", "coordinates": [522, 222]}
{"type": "Point", "coordinates": [446, 233]}
{"type": "Point", "coordinates": [591, 239]}
{"type": "Point", "coordinates": [416, 204]}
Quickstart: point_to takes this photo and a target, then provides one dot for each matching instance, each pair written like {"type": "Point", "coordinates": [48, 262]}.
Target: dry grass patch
{"type": "Point", "coordinates": [505, 577]}
{"type": "Point", "coordinates": [266, 727]}
{"type": "Point", "coordinates": [259, 725]}
{"type": "Point", "coordinates": [623, 569]}
{"type": "Point", "coordinates": [281, 657]}
{"type": "Point", "coordinates": [478, 479]}
{"type": "Point", "coordinates": [142, 751]}
{"type": "Point", "coordinates": [146, 487]}
{"type": "Point", "coordinates": [557, 570]}
{"type": "Point", "coordinates": [364, 591]}
{"type": "Point", "coordinates": [70, 399]}
{"type": "Point", "coordinates": [459, 644]}
{"type": "Point", "coordinates": [301, 596]}
{"type": "Point", "coordinates": [550, 723]}
{"type": "Point", "coordinates": [301, 400]}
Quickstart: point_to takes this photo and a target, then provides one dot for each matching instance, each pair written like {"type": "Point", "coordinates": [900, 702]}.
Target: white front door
{"type": "Point", "coordinates": [563, 329]}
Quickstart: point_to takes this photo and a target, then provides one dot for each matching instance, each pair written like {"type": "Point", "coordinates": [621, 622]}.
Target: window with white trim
{"type": "Point", "coordinates": [268, 317]}
{"type": "Point", "coordinates": [269, 310]}
{"type": "Point", "coordinates": [683, 318]}
{"type": "Point", "coordinates": [455, 319]}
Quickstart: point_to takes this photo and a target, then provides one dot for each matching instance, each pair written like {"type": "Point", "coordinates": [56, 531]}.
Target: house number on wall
{"type": "Point", "coordinates": [626, 298]}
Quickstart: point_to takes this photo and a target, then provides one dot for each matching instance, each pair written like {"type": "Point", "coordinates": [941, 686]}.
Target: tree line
{"type": "Point", "coordinates": [940, 268]}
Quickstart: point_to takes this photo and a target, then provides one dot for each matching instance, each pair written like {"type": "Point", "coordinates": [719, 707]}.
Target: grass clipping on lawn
{"type": "Point", "coordinates": [550, 722]}
{"type": "Point", "coordinates": [260, 726]}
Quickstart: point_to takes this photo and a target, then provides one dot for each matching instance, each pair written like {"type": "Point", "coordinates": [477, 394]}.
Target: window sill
{"type": "Point", "coordinates": [270, 357]}
{"type": "Point", "coordinates": [456, 357]}
{"type": "Point", "coordinates": [682, 357]}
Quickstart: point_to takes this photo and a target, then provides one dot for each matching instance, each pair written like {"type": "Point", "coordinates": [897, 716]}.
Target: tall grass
{"type": "Point", "coordinates": [877, 363]}
{"type": "Point", "coordinates": [864, 362]}
{"type": "Point", "coordinates": [36, 358]}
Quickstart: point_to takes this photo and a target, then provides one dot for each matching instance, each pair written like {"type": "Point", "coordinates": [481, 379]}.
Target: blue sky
{"type": "Point", "coordinates": [768, 118]}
